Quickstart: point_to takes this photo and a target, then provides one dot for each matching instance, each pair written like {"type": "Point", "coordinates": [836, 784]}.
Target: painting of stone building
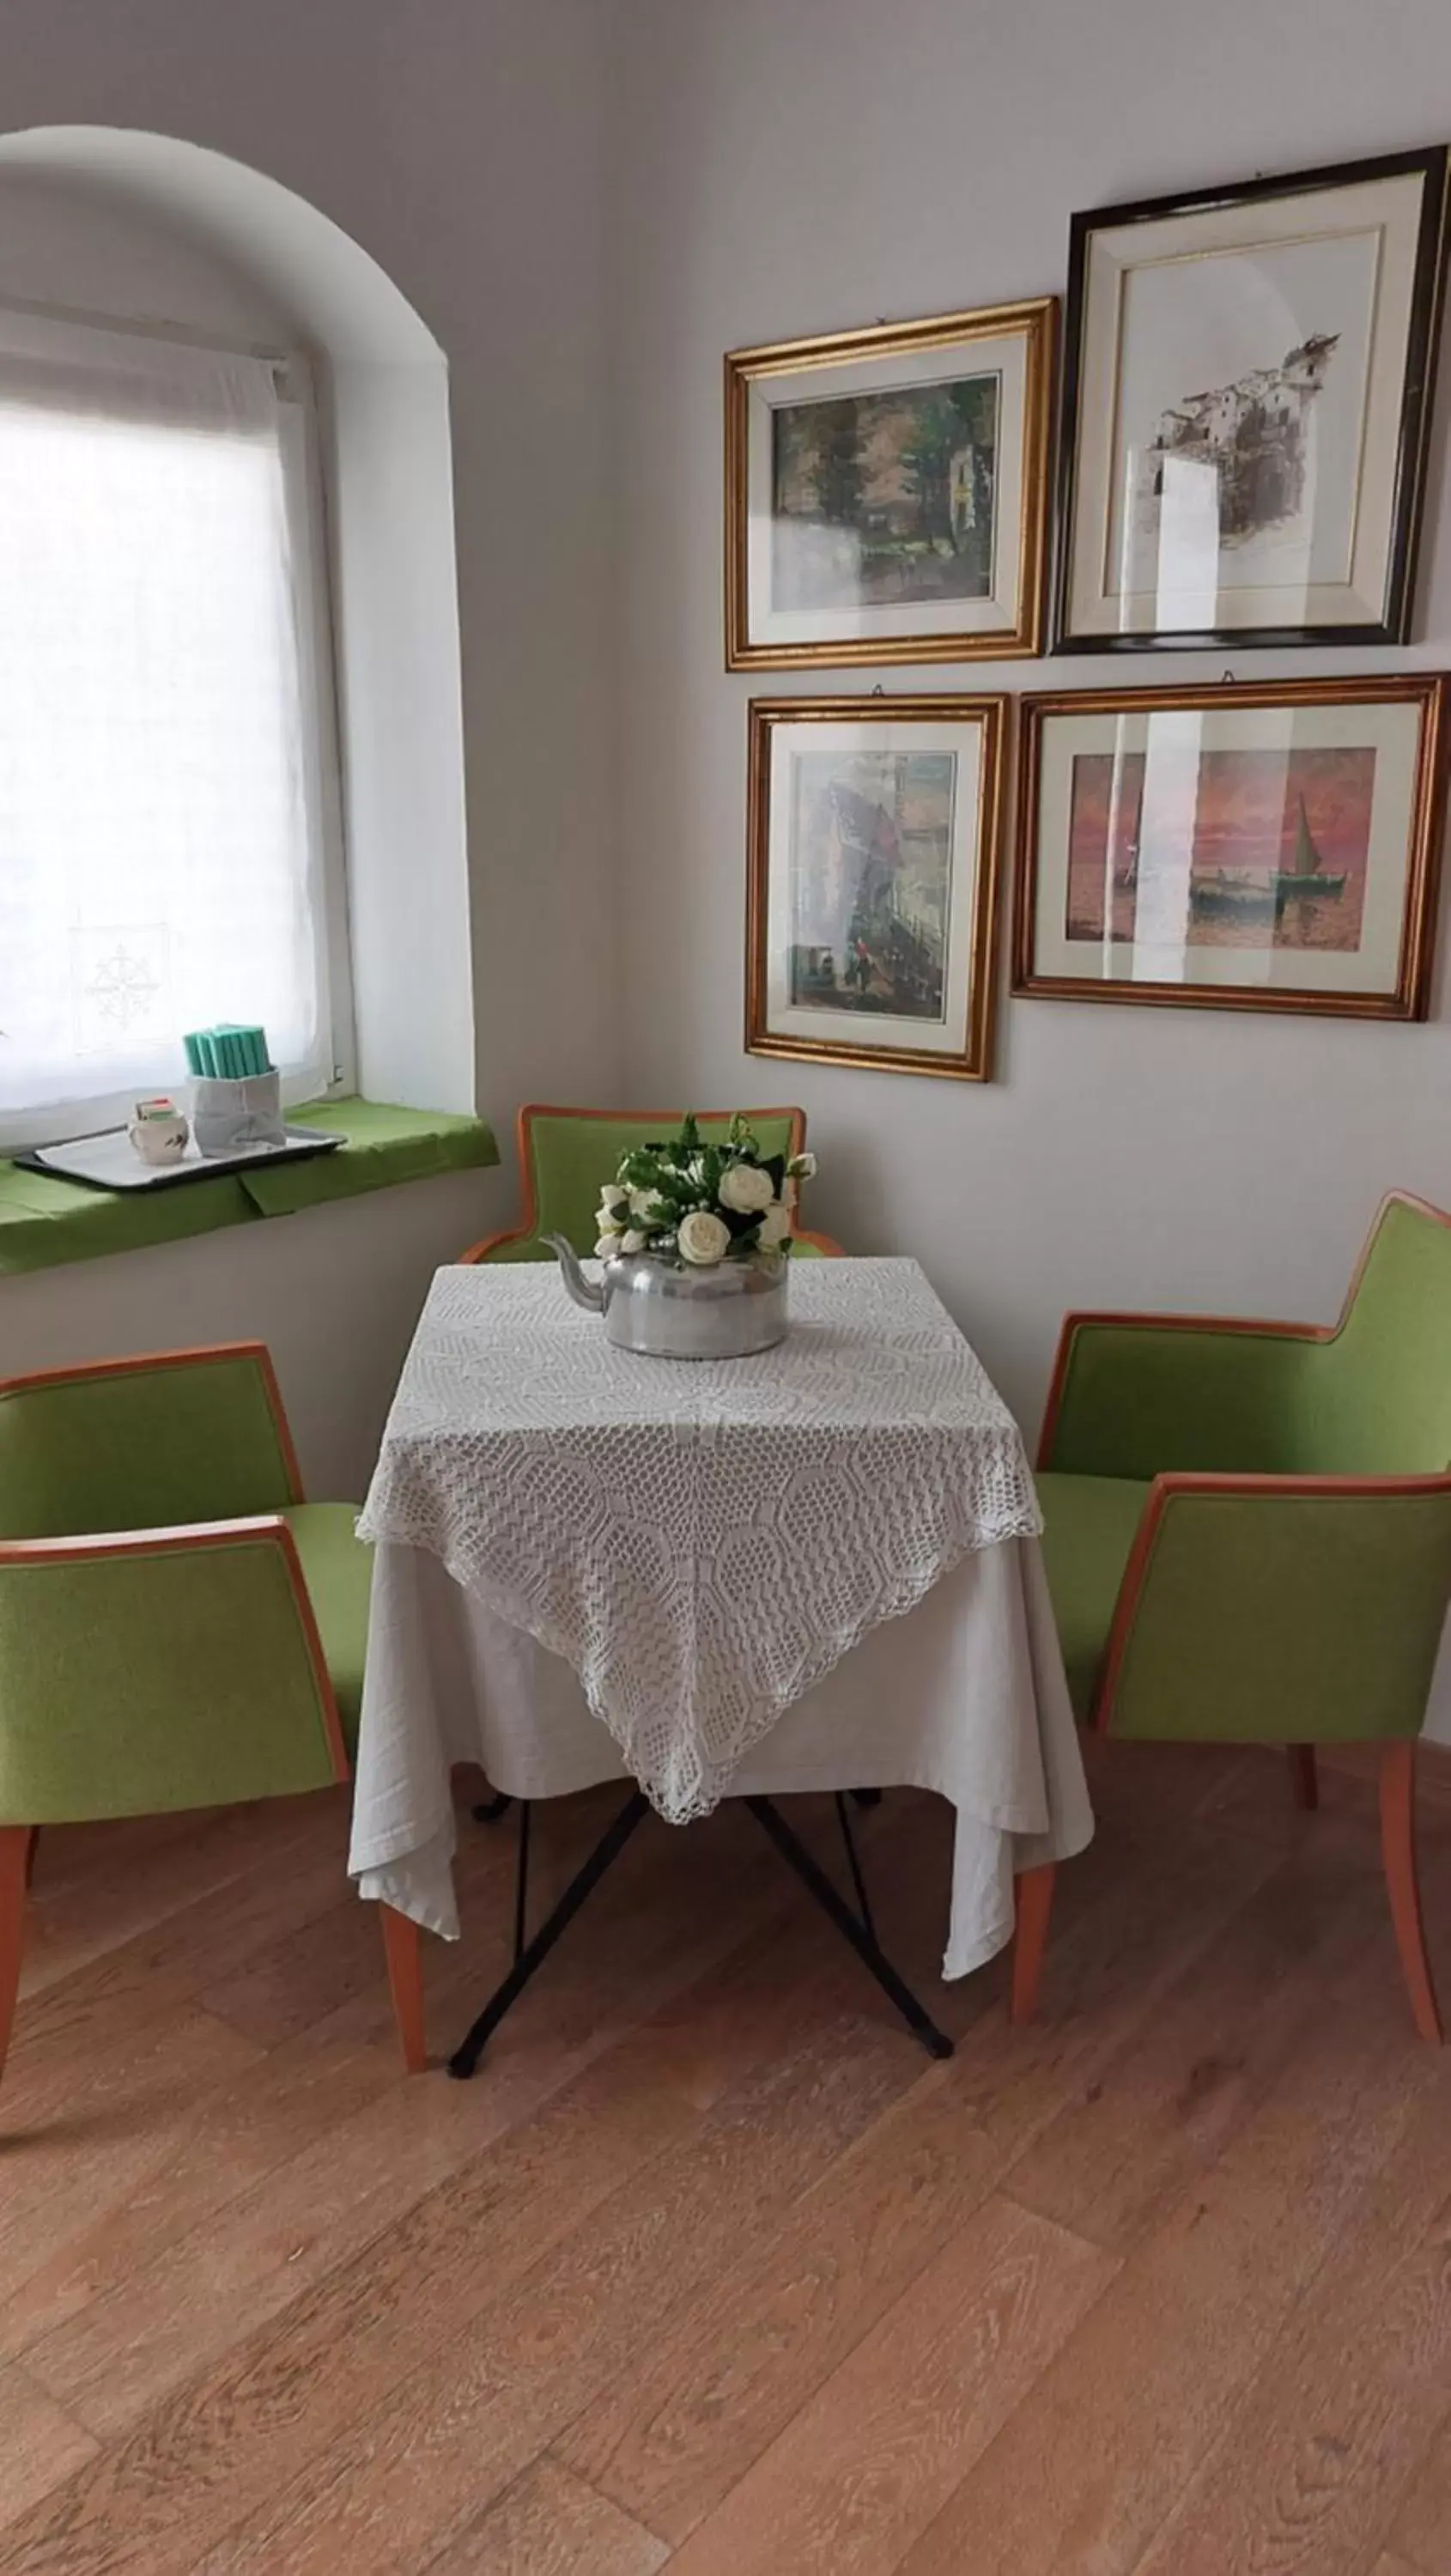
{"type": "Point", "coordinates": [1253, 435]}
{"type": "Point", "coordinates": [885, 499]}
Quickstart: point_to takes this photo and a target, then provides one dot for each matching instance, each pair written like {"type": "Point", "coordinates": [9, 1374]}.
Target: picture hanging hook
{"type": "Point", "coordinates": [1226, 677]}
{"type": "Point", "coordinates": [879, 691]}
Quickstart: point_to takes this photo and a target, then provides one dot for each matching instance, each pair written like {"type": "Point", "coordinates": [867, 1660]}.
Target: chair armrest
{"type": "Point", "coordinates": [492, 1247]}
{"type": "Point", "coordinates": [147, 1670]}
{"type": "Point", "coordinates": [1138, 1395]}
{"type": "Point", "coordinates": [1275, 1609]}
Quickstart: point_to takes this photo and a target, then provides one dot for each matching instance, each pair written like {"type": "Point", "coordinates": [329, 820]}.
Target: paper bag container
{"type": "Point", "coordinates": [227, 1116]}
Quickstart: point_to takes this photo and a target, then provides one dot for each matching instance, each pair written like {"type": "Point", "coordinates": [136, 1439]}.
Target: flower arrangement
{"type": "Point", "coordinates": [700, 1202]}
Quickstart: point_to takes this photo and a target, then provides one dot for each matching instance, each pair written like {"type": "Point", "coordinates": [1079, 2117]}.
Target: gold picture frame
{"type": "Point", "coordinates": [891, 553]}
{"type": "Point", "coordinates": [873, 869]}
{"type": "Point", "coordinates": [1267, 846]}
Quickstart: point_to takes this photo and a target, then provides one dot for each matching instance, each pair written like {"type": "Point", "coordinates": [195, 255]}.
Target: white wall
{"type": "Point", "coordinates": [395, 610]}
{"type": "Point", "coordinates": [790, 166]}
{"type": "Point", "coordinates": [73, 247]}
{"type": "Point", "coordinates": [461, 145]}
{"type": "Point", "coordinates": [334, 1292]}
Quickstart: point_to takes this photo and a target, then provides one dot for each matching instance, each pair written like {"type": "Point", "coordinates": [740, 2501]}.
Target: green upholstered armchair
{"type": "Point", "coordinates": [178, 1628]}
{"type": "Point", "coordinates": [565, 1156]}
{"type": "Point", "coordinates": [1247, 1528]}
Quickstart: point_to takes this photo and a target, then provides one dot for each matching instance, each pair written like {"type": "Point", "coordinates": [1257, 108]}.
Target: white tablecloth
{"type": "Point", "coordinates": [702, 1540]}
{"type": "Point", "coordinates": [962, 1693]}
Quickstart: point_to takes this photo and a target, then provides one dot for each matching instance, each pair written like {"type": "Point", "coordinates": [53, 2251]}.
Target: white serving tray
{"type": "Point", "coordinates": [110, 1161]}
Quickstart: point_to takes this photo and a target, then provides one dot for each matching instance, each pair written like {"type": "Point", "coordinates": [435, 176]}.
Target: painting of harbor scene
{"type": "Point", "coordinates": [1258, 848]}
{"type": "Point", "coordinates": [871, 881]}
{"type": "Point", "coordinates": [885, 499]}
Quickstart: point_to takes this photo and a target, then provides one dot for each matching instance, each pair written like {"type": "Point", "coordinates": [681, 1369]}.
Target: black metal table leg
{"type": "Point", "coordinates": [489, 1810]}
{"type": "Point", "coordinates": [466, 2057]}
{"type": "Point", "coordinates": [859, 1931]}
{"type": "Point", "coordinates": [864, 1902]}
{"type": "Point", "coordinates": [521, 1883]}
{"type": "Point", "coordinates": [795, 1853]}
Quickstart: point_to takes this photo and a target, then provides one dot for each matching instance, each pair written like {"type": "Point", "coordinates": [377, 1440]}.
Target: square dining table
{"type": "Point", "coordinates": [813, 1569]}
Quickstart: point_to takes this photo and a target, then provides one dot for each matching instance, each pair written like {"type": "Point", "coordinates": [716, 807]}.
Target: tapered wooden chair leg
{"type": "Point", "coordinates": [1398, 1849]}
{"type": "Point", "coordinates": [1032, 1904]}
{"type": "Point", "coordinates": [1304, 1778]}
{"type": "Point", "coordinates": [403, 1945]}
{"type": "Point", "coordinates": [15, 1851]}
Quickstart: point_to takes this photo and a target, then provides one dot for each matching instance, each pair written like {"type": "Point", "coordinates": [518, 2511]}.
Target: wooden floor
{"type": "Point", "coordinates": [711, 2268]}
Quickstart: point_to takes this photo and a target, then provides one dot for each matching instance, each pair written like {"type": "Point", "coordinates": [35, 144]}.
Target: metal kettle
{"type": "Point", "coordinates": [671, 1311]}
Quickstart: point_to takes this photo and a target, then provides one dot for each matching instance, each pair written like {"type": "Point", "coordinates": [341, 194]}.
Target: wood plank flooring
{"type": "Point", "coordinates": [710, 2268]}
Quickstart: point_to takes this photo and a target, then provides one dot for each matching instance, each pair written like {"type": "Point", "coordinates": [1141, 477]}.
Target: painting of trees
{"type": "Point", "coordinates": [880, 468]}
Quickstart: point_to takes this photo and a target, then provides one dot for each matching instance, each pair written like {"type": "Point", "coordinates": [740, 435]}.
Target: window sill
{"type": "Point", "coordinates": [44, 1222]}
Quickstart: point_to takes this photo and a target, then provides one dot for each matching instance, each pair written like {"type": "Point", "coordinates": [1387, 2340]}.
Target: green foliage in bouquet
{"type": "Point", "coordinates": [702, 1202]}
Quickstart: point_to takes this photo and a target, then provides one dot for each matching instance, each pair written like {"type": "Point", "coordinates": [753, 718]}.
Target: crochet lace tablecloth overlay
{"type": "Point", "coordinates": [702, 1540]}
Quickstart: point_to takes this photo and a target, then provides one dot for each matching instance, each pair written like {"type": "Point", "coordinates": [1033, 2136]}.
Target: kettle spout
{"type": "Point", "coordinates": [580, 1289]}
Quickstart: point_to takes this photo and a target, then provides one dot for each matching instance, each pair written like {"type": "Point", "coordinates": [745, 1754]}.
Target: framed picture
{"type": "Point", "coordinates": [1270, 846]}
{"type": "Point", "coordinates": [1247, 394]}
{"type": "Point", "coordinates": [872, 875]}
{"type": "Point", "coordinates": [886, 492]}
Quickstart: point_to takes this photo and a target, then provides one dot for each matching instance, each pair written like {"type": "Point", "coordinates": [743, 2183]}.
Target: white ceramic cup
{"type": "Point", "coordinates": [158, 1132]}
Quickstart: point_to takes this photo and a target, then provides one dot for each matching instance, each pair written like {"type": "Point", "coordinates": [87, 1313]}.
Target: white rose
{"type": "Point", "coordinates": [647, 1205]}
{"type": "Point", "coordinates": [745, 1189]}
{"type": "Point", "coordinates": [802, 1167]}
{"type": "Point", "coordinates": [607, 1246]}
{"type": "Point", "coordinates": [613, 1197]}
{"type": "Point", "coordinates": [775, 1225]}
{"type": "Point", "coordinates": [703, 1238]}
{"type": "Point", "coordinates": [634, 1241]}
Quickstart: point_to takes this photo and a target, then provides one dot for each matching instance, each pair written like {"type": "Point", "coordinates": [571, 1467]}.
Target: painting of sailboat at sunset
{"type": "Point", "coordinates": [1242, 848]}
{"type": "Point", "coordinates": [1246, 845]}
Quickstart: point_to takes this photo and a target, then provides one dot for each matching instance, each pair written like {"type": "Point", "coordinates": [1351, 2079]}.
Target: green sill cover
{"type": "Point", "coordinates": [44, 1222]}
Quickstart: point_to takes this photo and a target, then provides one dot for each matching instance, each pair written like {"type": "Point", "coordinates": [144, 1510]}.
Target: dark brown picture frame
{"type": "Point", "coordinates": [1410, 1000]}
{"type": "Point", "coordinates": [1433, 164]}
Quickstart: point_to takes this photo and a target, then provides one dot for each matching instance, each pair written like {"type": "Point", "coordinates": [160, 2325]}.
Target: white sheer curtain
{"type": "Point", "coordinates": [160, 848]}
